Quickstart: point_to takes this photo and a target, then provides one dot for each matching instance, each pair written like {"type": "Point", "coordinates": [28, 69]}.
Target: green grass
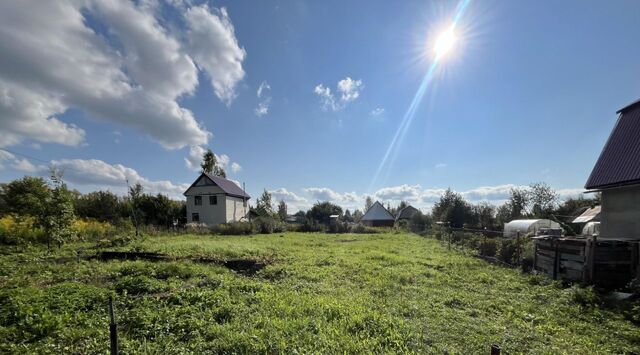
{"type": "Point", "coordinates": [319, 293]}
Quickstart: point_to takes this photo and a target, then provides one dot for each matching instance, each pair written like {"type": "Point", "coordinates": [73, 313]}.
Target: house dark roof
{"type": "Point", "coordinates": [619, 162]}
{"type": "Point", "coordinates": [377, 212]}
{"type": "Point", "coordinates": [229, 187]}
{"type": "Point", "coordinates": [407, 212]}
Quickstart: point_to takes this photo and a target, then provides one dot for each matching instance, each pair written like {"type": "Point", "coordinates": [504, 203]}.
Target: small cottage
{"type": "Point", "coordinates": [378, 216]}
{"type": "Point", "coordinates": [212, 200]}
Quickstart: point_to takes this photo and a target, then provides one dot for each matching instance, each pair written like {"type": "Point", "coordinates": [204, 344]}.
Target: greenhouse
{"type": "Point", "coordinates": [528, 226]}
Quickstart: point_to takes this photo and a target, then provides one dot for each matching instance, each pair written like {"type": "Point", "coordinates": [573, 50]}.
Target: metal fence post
{"type": "Point", "coordinates": [113, 330]}
{"type": "Point", "coordinates": [495, 349]}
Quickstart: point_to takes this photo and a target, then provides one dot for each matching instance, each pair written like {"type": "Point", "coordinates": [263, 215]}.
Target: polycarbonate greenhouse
{"type": "Point", "coordinates": [528, 226]}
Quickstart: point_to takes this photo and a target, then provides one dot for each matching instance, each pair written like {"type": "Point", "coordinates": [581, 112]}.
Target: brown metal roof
{"type": "Point", "coordinates": [229, 187]}
{"type": "Point", "coordinates": [619, 162]}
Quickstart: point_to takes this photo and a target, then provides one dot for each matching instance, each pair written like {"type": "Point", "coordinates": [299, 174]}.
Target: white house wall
{"type": "Point", "coordinates": [235, 208]}
{"type": "Point", "coordinates": [209, 214]}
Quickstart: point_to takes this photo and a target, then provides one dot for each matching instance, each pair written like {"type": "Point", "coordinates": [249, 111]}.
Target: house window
{"type": "Point", "coordinates": [195, 217]}
{"type": "Point", "coordinates": [213, 200]}
{"type": "Point", "coordinates": [198, 200]}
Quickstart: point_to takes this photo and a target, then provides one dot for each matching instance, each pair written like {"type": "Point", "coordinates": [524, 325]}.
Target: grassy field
{"type": "Point", "coordinates": [318, 293]}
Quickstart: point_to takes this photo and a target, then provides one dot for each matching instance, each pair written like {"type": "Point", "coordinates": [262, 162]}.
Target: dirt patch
{"type": "Point", "coordinates": [346, 240]}
{"type": "Point", "coordinates": [248, 267]}
{"type": "Point", "coordinates": [129, 255]}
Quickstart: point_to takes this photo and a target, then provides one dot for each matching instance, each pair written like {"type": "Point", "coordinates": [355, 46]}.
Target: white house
{"type": "Point", "coordinates": [212, 200]}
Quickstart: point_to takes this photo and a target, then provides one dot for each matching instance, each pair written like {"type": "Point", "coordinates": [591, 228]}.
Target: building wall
{"type": "Point", "coordinates": [209, 214]}
{"type": "Point", "coordinates": [620, 216]}
{"type": "Point", "coordinates": [235, 208]}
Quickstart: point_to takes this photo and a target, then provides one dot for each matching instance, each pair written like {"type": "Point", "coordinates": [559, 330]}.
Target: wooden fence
{"type": "Point", "coordinates": [604, 263]}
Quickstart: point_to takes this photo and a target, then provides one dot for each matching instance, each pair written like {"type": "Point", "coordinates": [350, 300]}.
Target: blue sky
{"type": "Point", "coordinates": [528, 93]}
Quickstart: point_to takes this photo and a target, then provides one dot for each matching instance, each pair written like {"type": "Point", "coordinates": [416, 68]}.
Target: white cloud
{"type": "Point", "coordinates": [347, 88]}
{"type": "Point", "coordinates": [399, 193]}
{"type": "Point", "coordinates": [294, 202]}
{"type": "Point", "coordinates": [99, 174]}
{"type": "Point", "coordinates": [25, 166]}
{"type": "Point", "coordinates": [264, 94]}
{"type": "Point", "coordinates": [376, 112]}
{"type": "Point", "coordinates": [214, 46]}
{"type": "Point", "coordinates": [132, 74]}
{"type": "Point", "coordinates": [235, 167]}
{"type": "Point", "coordinates": [223, 160]}
{"type": "Point", "coordinates": [326, 97]}
{"type": "Point", "coordinates": [323, 194]}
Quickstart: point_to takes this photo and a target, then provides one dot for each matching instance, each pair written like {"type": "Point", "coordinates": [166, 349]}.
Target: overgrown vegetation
{"type": "Point", "coordinates": [318, 293]}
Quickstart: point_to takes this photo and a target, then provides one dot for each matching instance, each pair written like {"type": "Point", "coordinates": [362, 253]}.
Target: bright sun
{"type": "Point", "coordinates": [445, 41]}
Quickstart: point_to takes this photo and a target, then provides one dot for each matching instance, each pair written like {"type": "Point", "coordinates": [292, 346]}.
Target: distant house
{"type": "Point", "coordinates": [212, 200]}
{"type": "Point", "coordinates": [407, 213]}
{"type": "Point", "coordinates": [617, 176]}
{"type": "Point", "coordinates": [378, 216]}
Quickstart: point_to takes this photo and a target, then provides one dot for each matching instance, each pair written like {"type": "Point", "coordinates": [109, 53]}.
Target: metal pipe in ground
{"type": "Point", "coordinates": [495, 349]}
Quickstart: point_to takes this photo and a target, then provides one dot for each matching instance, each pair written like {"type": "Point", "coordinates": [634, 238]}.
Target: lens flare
{"type": "Point", "coordinates": [443, 45]}
{"type": "Point", "coordinates": [445, 42]}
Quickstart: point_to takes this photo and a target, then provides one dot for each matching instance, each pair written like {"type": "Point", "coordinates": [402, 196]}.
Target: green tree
{"type": "Point", "coordinates": [26, 196]}
{"type": "Point", "coordinates": [452, 209]}
{"type": "Point", "coordinates": [543, 200]}
{"type": "Point", "coordinates": [282, 210]}
{"type": "Point", "coordinates": [264, 206]}
{"type": "Point", "coordinates": [58, 216]}
{"type": "Point", "coordinates": [347, 216]}
{"type": "Point", "coordinates": [210, 164]}
{"type": "Point", "coordinates": [100, 205]}
{"type": "Point", "coordinates": [356, 215]}
{"type": "Point", "coordinates": [322, 210]}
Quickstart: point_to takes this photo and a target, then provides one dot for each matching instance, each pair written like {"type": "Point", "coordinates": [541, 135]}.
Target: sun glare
{"type": "Point", "coordinates": [445, 42]}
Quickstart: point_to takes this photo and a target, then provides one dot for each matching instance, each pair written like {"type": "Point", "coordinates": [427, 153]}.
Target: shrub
{"type": "Point", "coordinates": [488, 247]}
{"type": "Point", "coordinates": [338, 227]}
{"type": "Point", "coordinates": [268, 225]}
{"type": "Point", "coordinates": [584, 296]}
{"type": "Point", "coordinates": [362, 229]}
{"type": "Point", "coordinates": [237, 228]}
{"type": "Point", "coordinates": [311, 225]}
{"type": "Point", "coordinates": [87, 229]}
{"type": "Point", "coordinates": [508, 251]}
{"type": "Point", "coordinates": [19, 230]}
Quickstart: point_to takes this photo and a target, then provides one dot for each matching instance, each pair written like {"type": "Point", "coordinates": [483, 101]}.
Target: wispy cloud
{"type": "Point", "coordinates": [264, 96]}
{"type": "Point", "coordinates": [376, 112]}
{"type": "Point", "coordinates": [348, 90]}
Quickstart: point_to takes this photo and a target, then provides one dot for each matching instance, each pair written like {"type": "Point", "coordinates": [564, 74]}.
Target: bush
{"type": "Point", "coordinates": [362, 229]}
{"type": "Point", "coordinates": [88, 229]}
{"type": "Point", "coordinates": [268, 225]}
{"type": "Point", "coordinates": [508, 251]}
{"type": "Point", "coordinates": [311, 225]}
{"type": "Point", "coordinates": [19, 230]}
{"type": "Point", "coordinates": [488, 247]}
{"type": "Point", "coordinates": [338, 227]}
{"type": "Point", "coordinates": [237, 228]}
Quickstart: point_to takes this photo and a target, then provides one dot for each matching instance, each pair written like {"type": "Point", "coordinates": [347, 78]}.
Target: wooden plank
{"type": "Point", "coordinates": [574, 265]}
{"type": "Point", "coordinates": [572, 257]}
